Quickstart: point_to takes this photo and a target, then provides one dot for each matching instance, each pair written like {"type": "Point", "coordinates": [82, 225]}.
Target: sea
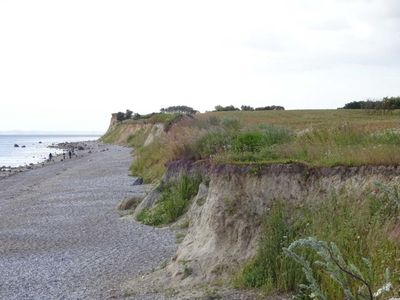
{"type": "Point", "coordinates": [36, 147]}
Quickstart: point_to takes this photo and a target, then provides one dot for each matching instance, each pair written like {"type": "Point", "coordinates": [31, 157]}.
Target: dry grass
{"type": "Point", "coordinates": [318, 137]}
{"type": "Point", "coordinates": [304, 119]}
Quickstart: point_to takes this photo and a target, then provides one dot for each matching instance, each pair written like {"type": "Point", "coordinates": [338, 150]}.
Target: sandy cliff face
{"type": "Point", "coordinates": [119, 132]}
{"type": "Point", "coordinates": [225, 217]}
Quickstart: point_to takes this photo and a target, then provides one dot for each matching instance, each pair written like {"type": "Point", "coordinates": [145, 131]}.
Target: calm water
{"type": "Point", "coordinates": [34, 151]}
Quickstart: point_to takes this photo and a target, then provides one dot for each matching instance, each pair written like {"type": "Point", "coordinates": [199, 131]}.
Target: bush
{"type": "Point", "coordinates": [249, 142]}
{"type": "Point", "coordinates": [173, 202]}
{"type": "Point", "coordinates": [213, 143]}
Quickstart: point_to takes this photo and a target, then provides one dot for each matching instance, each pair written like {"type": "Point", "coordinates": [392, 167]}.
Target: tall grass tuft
{"type": "Point", "coordinates": [175, 198]}
{"type": "Point", "coordinates": [271, 270]}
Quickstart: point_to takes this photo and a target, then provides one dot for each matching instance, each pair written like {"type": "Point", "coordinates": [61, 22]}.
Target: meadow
{"type": "Point", "coordinates": [313, 137]}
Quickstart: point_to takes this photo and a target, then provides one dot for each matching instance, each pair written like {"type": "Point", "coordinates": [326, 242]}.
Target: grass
{"type": "Point", "coordinates": [342, 145]}
{"type": "Point", "coordinates": [271, 270]}
{"type": "Point", "coordinates": [298, 120]}
{"type": "Point", "coordinates": [174, 200]}
{"type": "Point", "coordinates": [313, 137]}
{"type": "Point", "coordinates": [365, 225]}
{"type": "Point", "coordinates": [150, 161]}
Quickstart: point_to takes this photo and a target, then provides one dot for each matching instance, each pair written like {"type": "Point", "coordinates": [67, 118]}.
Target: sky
{"type": "Point", "coordinates": [67, 65]}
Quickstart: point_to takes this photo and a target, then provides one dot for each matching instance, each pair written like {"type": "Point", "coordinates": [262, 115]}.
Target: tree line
{"type": "Point", "coordinates": [178, 109]}
{"type": "Point", "coordinates": [247, 108]}
{"type": "Point", "coordinates": [387, 103]}
{"type": "Point", "coordinates": [183, 109]}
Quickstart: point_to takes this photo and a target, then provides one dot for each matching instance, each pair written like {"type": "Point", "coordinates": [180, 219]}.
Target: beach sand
{"type": "Point", "coordinates": [61, 236]}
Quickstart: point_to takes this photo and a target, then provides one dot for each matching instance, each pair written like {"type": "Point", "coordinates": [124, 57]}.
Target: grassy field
{"type": "Point", "coordinates": [306, 119]}
{"type": "Point", "coordinates": [312, 137]}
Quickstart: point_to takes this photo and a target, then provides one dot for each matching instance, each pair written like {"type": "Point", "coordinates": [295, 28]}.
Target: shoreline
{"type": "Point", "coordinates": [80, 149]}
{"type": "Point", "coordinates": [62, 236]}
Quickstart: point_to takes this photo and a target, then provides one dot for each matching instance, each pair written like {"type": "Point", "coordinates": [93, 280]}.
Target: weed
{"type": "Point", "coordinates": [271, 269]}
{"type": "Point", "coordinates": [187, 270]}
{"type": "Point", "coordinates": [175, 197]}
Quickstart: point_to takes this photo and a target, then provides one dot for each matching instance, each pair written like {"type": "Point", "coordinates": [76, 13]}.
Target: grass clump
{"type": "Point", "coordinates": [271, 270]}
{"type": "Point", "coordinates": [365, 226]}
{"type": "Point", "coordinates": [174, 200]}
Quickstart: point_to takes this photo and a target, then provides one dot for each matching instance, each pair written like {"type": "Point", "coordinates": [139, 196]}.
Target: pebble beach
{"type": "Point", "coordinates": [61, 236]}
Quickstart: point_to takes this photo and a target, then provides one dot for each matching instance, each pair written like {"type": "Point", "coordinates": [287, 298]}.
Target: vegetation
{"type": "Point", "coordinates": [331, 261]}
{"type": "Point", "coordinates": [271, 269]}
{"type": "Point", "coordinates": [387, 103]}
{"type": "Point", "coordinates": [364, 226]}
{"type": "Point", "coordinates": [173, 202]}
{"type": "Point", "coordinates": [226, 108]}
{"type": "Point", "coordinates": [273, 107]}
{"type": "Point", "coordinates": [316, 138]}
{"type": "Point", "coordinates": [179, 109]}
{"type": "Point", "coordinates": [246, 108]}
{"type": "Point", "coordinates": [299, 247]}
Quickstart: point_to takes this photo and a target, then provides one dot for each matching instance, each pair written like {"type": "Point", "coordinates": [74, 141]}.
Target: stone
{"type": "Point", "coordinates": [138, 181]}
{"type": "Point", "coordinates": [129, 203]}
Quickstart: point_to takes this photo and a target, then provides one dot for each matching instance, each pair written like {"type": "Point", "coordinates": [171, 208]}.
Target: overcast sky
{"type": "Point", "coordinates": [66, 65]}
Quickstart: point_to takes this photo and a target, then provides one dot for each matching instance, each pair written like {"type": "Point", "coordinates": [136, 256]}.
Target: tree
{"type": "Point", "coordinates": [120, 116]}
{"type": "Point", "coordinates": [246, 108]}
{"type": "Point", "coordinates": [180, 109]}
{"type": "Point", "coordinates": [273, 107]}
{"type": "Point", "coordinates": [128, 114]}
{"type": "Point", "coordinates": [387, 103]}
{"type": "Point", "coordinates": [225, 108]}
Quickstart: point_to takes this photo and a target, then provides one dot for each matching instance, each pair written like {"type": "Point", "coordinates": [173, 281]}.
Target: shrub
{"type": "Point", "coordinates": [173, 202]}
{"type": "Point", "coordinates": [249, 142]}
{"type": "Point", "coordinates": [352, 282]}
{"type": "Point", "coordinates": [276, 135]}
{"type": "Point", "coordinates": [230, 124]}
{"type": "Point", "coordinates": [212, 143]}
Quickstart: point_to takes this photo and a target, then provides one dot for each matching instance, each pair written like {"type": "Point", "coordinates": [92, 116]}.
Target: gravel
{"type": "Point", "coordinates": [61, 236]}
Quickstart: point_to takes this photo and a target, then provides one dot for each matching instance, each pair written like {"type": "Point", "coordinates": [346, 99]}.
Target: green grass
{"type": "Point", "coordinates": [365, 225]}
{"type": "Point", "coordinates": [313, 137]}
{"type": "Point", "coordinates": [149, 162]}
{"type": "Point", "coordinates": [271, 270]}
{"type": "Point", "coordinates": [174, 200]}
